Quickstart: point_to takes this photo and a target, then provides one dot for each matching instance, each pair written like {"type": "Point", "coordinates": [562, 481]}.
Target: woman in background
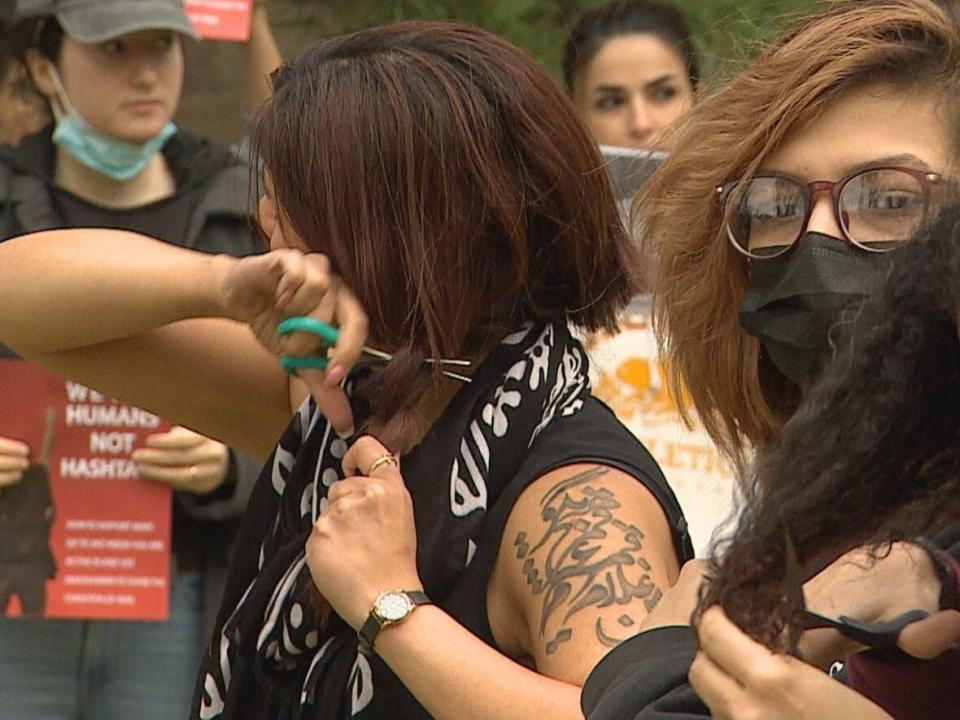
{"type": "Point", "coordinates": [632, 70]}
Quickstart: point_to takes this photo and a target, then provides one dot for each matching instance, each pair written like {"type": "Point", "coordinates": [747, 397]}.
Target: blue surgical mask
{"type": "Point", "coordinates": [108, 156]}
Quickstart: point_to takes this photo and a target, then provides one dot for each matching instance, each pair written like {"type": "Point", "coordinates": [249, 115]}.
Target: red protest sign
{"type": "Point", "coordinates": [81, 536]}
{"type": "Point", "coordinates": [221, 19]}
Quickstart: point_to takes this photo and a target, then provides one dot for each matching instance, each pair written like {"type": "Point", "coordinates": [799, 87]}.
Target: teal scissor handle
{"type": "Point", "coordinates": [292, 363]}
{"type": "Point", "coordinates": [301, 323]}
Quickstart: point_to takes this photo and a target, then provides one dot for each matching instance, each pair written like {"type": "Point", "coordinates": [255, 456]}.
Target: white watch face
{"type": "Point", "coordinates": [393, 606]}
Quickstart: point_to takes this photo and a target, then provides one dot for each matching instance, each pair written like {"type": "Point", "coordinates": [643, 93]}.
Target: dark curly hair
{"type": "Point", "coordinates": [872, 454]}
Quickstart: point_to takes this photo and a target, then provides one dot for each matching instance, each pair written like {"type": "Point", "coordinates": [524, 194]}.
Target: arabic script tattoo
{"type": "Point", "coordinates": [586, 558]}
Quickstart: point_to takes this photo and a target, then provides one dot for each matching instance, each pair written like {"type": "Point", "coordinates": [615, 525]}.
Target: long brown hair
{"type": "Point", "coordinates": [454, 189]}
{"type": "Point", "coordinates": [739, 396]}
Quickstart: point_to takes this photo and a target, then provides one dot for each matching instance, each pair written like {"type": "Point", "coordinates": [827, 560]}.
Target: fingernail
{"type": "Point", "coordinates": [345, 434]}
{"type": "Point", "coordinates": [335, 375]}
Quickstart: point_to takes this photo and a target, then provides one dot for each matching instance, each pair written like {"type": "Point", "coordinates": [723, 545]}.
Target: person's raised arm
{"type": "Point", "coordinates": [170, 329]}
{"type": "Point", "coordinates": [261, 58]}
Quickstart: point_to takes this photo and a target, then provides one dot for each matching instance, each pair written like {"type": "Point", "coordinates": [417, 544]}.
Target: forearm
{"type": "Point", "coordinates": [262, 58]}
{"type": "Point", "coordinates": [143, 322]}
{"type": "Point", "coordinates": [456, 676]}
{"type": "Point", "coordinates": [68, 289]}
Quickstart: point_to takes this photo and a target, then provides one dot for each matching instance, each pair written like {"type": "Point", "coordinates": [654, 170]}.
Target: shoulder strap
{"type": "Point", "coordinates": [28, 204]}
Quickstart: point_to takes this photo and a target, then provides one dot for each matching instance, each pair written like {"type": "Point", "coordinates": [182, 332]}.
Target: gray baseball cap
{"type": "Point", "coordinates": [93, 21]}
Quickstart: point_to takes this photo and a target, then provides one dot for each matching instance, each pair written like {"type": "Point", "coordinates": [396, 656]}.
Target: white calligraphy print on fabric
{"type": "Point", "coordinates": [565, 396]}
{"type": "Point", "coordinates": [467, 496]}
{"type": "Point", "coordinates": [362, 683]}
{"type": "Point", "coordinates": [215, 706]}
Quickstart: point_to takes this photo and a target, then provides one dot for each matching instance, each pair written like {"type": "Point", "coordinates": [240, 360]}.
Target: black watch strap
{"type": "Point", "coordinates": [367, 634]}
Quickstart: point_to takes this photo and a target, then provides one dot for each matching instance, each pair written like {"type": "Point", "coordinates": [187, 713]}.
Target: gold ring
{"type": "Point", "coordinates": [388, 459]}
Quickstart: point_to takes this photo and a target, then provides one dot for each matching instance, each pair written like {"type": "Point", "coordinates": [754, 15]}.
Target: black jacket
{"type": "Point", "coordinates": [645, 678]}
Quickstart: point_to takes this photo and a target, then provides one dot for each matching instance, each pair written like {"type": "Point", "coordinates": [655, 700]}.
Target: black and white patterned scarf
{"type": "Point", "coordinates": [269, 659]}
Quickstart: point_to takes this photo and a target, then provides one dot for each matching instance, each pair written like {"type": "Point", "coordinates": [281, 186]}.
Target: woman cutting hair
{"type": "Point", "coordinates": [888, 486]}
{"type": "Point", "coordinates": [489, 535]}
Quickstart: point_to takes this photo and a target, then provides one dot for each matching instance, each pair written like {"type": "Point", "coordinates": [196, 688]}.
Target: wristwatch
{"type": "Point", "coordinates": [390, 608]}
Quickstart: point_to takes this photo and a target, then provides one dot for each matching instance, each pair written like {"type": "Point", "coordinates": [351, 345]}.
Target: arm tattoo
{"type": "Point", "coordinates": [608, 640]}
{"type": "Point", "coordinates": [567, 567]}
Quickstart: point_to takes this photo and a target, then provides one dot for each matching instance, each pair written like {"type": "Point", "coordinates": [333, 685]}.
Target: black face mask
{"type": "Point", "coordinates": [795, 299]}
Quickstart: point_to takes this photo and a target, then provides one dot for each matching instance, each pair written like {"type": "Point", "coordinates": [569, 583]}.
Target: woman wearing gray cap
{"type": "Point", "coordinates": [112, 71]}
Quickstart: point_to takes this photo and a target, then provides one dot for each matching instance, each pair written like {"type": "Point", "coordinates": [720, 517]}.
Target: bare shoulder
{"type": "Point", "coordinates": [586, 553]}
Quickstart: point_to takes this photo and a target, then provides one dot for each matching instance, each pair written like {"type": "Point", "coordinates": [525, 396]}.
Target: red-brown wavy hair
{"type": "Point", "coordinates": [739, 396]}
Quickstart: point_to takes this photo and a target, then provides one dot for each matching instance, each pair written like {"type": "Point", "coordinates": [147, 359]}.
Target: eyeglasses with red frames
{"type": "Point", "coordinates": [877, 209]}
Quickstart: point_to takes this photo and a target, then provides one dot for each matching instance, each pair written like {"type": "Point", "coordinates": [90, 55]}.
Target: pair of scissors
{"type": "Point", "coordinates": [330, 335]}
{"type": "Point", "coordinates": [882, 636]}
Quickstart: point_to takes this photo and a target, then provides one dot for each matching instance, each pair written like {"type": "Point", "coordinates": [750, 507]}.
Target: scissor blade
{"type": "Point", "coordinates": [449, 361]}
{"type": "Point", "coordinates": [379, 354]}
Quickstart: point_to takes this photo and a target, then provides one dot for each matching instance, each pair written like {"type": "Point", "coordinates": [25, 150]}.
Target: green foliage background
{"type": "Point", "coordinates": [726, 31]}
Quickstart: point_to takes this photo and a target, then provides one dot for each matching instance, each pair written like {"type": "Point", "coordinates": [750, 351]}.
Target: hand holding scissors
{"type": "Point", "coordinates": [330, 337]}
{"type": "Point", "coordinates": [893, 605]}
{"type": "Point", "coordinates": [738, 678]}
{"type": "Point", "coordinates": [264, 290]}
{"type": "Point", "coordinates": [302, 312]}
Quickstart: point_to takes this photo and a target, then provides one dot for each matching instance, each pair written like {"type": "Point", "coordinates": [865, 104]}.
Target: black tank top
{"type": "Point", "coordinates": [262, 665]}
{"type": "Point", "coordinates": [594, 435]}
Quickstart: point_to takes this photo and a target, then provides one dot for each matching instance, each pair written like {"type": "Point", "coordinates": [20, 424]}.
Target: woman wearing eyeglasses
{"type": "Point", "coordinates": [788, 188]}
